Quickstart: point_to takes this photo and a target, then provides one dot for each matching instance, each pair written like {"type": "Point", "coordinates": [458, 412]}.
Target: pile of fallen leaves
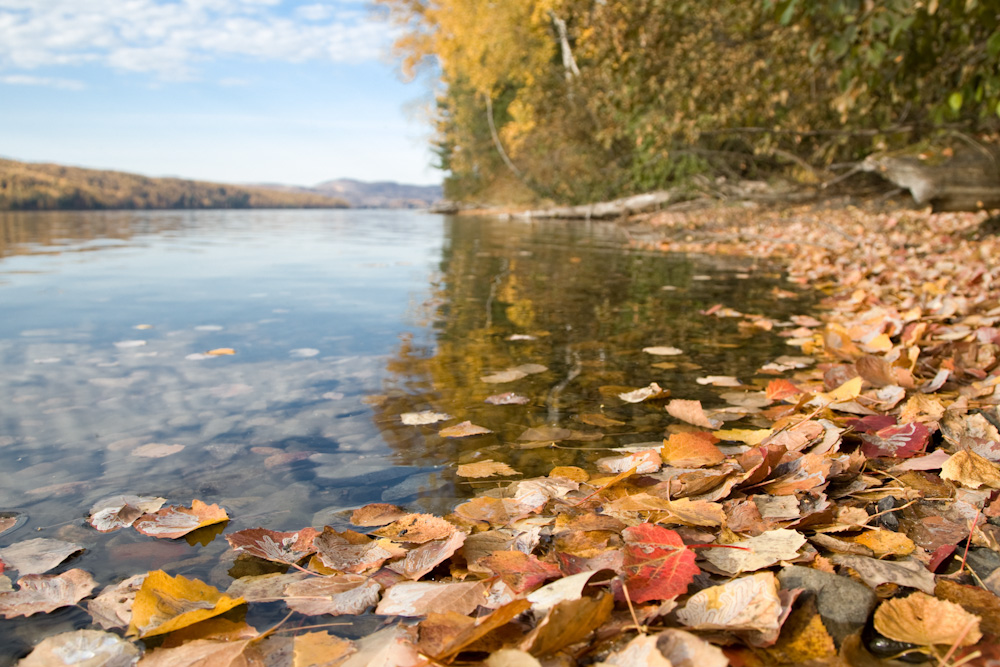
{"type": "Point", "coordinates": [838, 508]}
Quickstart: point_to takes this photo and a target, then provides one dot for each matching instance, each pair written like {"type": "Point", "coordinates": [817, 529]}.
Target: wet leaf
{"type": "Point", "coordinates": [164, 604]}
{"type": "Point", "coordinates": [974, 600]}
{"type": "Point", "coordinates": [482, 627]}
{"type": "Point", "coordinates": [156, 450]}
{"type": "Point", "coordinates": [932, 461]}
{"type": "Point", "coordinates": [353, 552]}
{"type": "Point", "coordinates": [320, 649]}
{"type": "Point", "coordinates": [511, 657]}
{"type": "Point", "coordinates": [495, 511]}
{"type": "Point", "coordinates": [82, 648]}
{"type": "Point", "coordinates": [423, 559]}
{"type": "Point", "coordinates": [545, 434]}
{"type": "Point", "coordinates": [338, 594]}
{"type": "Point", "coordinates": [692, 450]}
{"type": "Point", "coordinates": [419, 598]}
{"type": "Point", "coordinates": [377, 514]}
{"type": "Point", "coordinates": [112, 608]}
{"type": "Point", "coordinates": [422, 418]}
{"type": "Point", "coordinates": [971, 470]}
{"type": "Point", "coordinates": [663, 351]}
{"type": "Point", "coordinates": [692, 413]}
{"type": "Point", "coordinates": [507, 398]}
{"type": "Point", "coordinates": [719, 381]}
{"type": "Point", "coordinates": [177, 521]}
{"type": "Point", "coordinates": [418, 528]}
{"type": "Point", "coordinates": [463, 430]}
{"type": "Point", "coordinates": [567, 623]}
{"type": "Point", "coordinates": [42, 593]}
{"type": "Point", "coordinates": [487, 468]}
{"type": "Point", "coordinates": [928, 621]}
{"type": "Point", "coordinates": [274, 546]}
{"type": "Point", "coordinates": [202, 652]}
{"type": "Point", "coordinates": [522, 572]}
{"type": "Point", "coordinates": [747, 603]}
{"type": "Point", "coordinates": [658, 566]}
{"type": "Point", "coordinates": [263, 587]}
{"type": "Point", "coordinates": [38, 555]}
{"type": "Point", "coordinates": [121, 511]}
{"type": "Point", "coordinates": [644, 394]}
{"type": "Point", "coordinates": [641, 462]}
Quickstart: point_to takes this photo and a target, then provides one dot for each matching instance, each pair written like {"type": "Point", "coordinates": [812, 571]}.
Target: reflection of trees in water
{"type": "Point", "coordinates": [592, 308]}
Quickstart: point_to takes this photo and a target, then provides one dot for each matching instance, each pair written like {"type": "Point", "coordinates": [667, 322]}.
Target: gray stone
{"type": "Point", "coordinates": [844, 604]}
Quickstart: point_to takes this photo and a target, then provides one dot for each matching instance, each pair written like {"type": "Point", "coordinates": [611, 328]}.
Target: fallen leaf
{"type": "Point", "coordinates": [974, 600]}
{"type": "Point", "coordinates": [663, 351]}
{"type": "Point", "coordinates": [658, 566]}
{"type": "Point", "coordinates": [522, 572]}
{"type": "Point", "coordinates": [482, 627]}
{"type": "Point", "coordinates": [928, 621]}
{"type": "Point", "coordinates": [507, 398]}
{"type": "Point", "coordinates": [38, 555]}
{"type": "Point", "coordinates": [511, 657]}
{"type": "Point", "coordinates": [164, 604]}
{"type": "Point", "coordinates": [495, 511]}
{"type": "Point", "coordinates": [421, 418]}
{"type": "Point", "coordinates": [84, 648]}
{"type": "Point", "coordinates": [320, 649]}
{"type": "Point", "coordinates": [418, 598]}
{"type": "Point", "coordinates": [156, 450]}
{"type": "Point", "coordinates": [274, 546]}
{"type": "Point", "coordinates": [46, 592]}
{"type": "Point", "coordinates": [338, 594]}
{"type": "Point", "coordinates": [545, 434]}
{"type": "Point", "coordinates": [177, 521]}
{"type": "Point", "coordinates": [642, 462]}
{"type": "Point", "coordinates": [779, 390]}
{"type": "Point", "coordinates": [377, 514]}
{"type": "Point", "coordinates": [971, 470]}
{"type": "Point", "coordinates": [684, 649]}
{"type": "Point", "coordinates": [567, 623]}
{"type": "Point", "coordinates": [353, 552]}
{"type": "Point", "coordinates": [644, 394]}
{"type": "Point", "coordinates": [112, 608]}
{"type": "Point", "coordinates": [203, 652]}
{"type": "Point", "coordinates": [599, 420]}
{"type": "Point", "coordinates": [463, 430]}
{"type": "Point", "coordinates": [875, 572]}
{"type": "Point", "coordinates": [719, 381]}
{"type": "Point", "coordinates": [932, 461]}
{"type": "Point", "coordinates": [423, 559]}
{"type": "Point", "coordinates": [757, 552]}
{"type": "Point", "coordinates": [747, 603]}
{"type": "Point", "coordinates": [692, 413]}
{"type": "Point", "coordinates": [885, 542]}
{"type": "Point", "coordinates": [692, 450]}
{"type": "Point", "coordinates": [901, 441]}
{"type": "Point", "coordinates": [121, 511]}
{"type": "Point", "coordinates": [418, 528]}
{"type": "Point", "coordinates": [641, 651]}
{"type": "Point", "coordinates": [264, 587]}
{"type": "Point", "coordinates": [487, 468]}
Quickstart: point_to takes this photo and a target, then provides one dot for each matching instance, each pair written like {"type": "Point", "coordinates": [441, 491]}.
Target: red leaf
{"type": "Point", "coordinates": [871, 423]}
{"type": "Point", "coordinates": [658, 566]}
{"type": "Point", "coordinates": [520, 571]}
{"type": "Point", "coordinates": [902, 441]}
{"type": "Point", "coordinates": [778, 390]}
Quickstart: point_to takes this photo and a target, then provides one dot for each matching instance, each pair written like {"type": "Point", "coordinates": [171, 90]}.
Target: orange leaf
{"type": "Point", "coordinates": [692, 450]}
{"type": "Point", "coordinates": [177, 521]}
{"type": "Point", "coordinates": [463, 430]}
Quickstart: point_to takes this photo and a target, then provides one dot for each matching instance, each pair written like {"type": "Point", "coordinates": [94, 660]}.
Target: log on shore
{"type": "Point", "coordinates": [617, 208]}
{"type": "Point", "coordinates": [969, 181]}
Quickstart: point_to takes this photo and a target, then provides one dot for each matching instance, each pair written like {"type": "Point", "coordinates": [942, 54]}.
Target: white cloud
{"type": "Point", "coordinates": [172, 40]}
{"type": "Point", "coordinates": [48, 81]}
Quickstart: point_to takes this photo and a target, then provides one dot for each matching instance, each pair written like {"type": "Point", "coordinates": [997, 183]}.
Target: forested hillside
{"type": "Point", "coordinates": [28, 186]}
{"type": "Point", "coordinates": [584, 100]}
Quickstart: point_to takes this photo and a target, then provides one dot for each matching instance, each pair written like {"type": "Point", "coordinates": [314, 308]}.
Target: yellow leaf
{"type": "Point", "coordinates": [845, 392]}
{"type": "Point", "coordinates": [928, 621]}
{"type": "Point", "coordinates": [487, 468]}
{"type": "Point", "coordinates": [166, 603]}
{"type": "Point", "coordinates": [748, 436]}
{"type": "Point", "coordinates": [971, 469]}
{"type": "Point", "coordinates": [319, 649]}
{"type": "Point", "coordinates": [885, 542]}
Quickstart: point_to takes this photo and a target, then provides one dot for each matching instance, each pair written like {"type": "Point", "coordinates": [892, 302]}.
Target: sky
{"type": "Point", "coordinates": [235, 91]}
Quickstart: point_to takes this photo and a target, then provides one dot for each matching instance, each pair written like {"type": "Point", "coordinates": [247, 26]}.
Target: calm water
{"type": "Point", "coordinates": [340, 321]}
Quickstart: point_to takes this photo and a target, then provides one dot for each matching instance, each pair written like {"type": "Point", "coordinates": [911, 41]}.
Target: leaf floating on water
{"type": "Point", "coordinates": [156, 450]}
{"type": "Point", "coordinates": [521, 571]}
{"type": "Point", "coordinates": [38, 555]}
{"type": "Point", "coordinates": [487, 468]}
{"type": "Point", "coordinates": [545, 434]}
{"type": "Point", "coordinates": [112, 608]}
{"type": "Point", "coordinates": [692, 450]}
{"type": "Point", "coordinates": [692, 413]}
{"type": "Point", "coordinates": [316, 649]}
{"type": "Point", "coordinates": [779, 390]}
{"type": "Point", "coordinates": [646, 393]}
{"type": "Point", "coordinates": [164, 604]}
{"type": "Point", "coordinates": [121, 511]}
{"type": "Point", "coordinates": [339, 594]}
{"type": "Point", "coordinates": [418, 528]}
{"type": "Point", "coordinates": [274, 546]}
{"type": "Point", "coordinates": [463, 430]}
{"type": "Point", "coordinates": [177, 521]}
{"type": "Point", "coordinates": [663, 351]}
{"type": "Point", "coordinates": [46, 592]}
{"type": "Point", "coordinates": [719, 381]}
{"type": "Point", "coordinates": [521, 337]}
{"type": "Point", "coordinates": [418, 598]}
{"type": "Point", "coordinates": [928, 621]}
{"type": "Point", "coordinates": [377, 514]}
{"type": "Point", "coordinates": [568, 623]}
{"type": "Point", "coordinates": [91, 648]}
{"type": "Point", "coordinates": [9, 522]}
{"type": "Point", "coordinates": [643, 463]}
{"type": "Point", "coordinates": [424, 417]}
{"type": "Point", "coordinates": [507, 398]}
{"type": "Point", "coordinates": [503, 377]}
{"type": "Point", "coordinates": [426, 557]}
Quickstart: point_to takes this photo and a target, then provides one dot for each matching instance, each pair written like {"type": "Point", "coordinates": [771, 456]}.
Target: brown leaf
{"type": "Point", "coordinates": [46, 592]}
{"type": "Point", "coordinates": [507, 398]}
{"type": "Point", "coordinates": [885, 542]}
{"type": "Point", "coordinates": [875, 572]}
{"type": "Point", "coordinates": [566, 623]}
{"type": "Point", "coordinates": [928, 621]}
{"type": "Point", "coordinates": [483, 627]}
{"type": "Point", "coordinates": [463, 430]}
{"type": "Point", "coordinates": [653, 391]}
{"type": "Point", "coordinates": [495, 511]}
{"type": "Point", "coordinates": [377, 514]}
{"type": "Point", "coordinates": [271, 545]}
{"type": "Point", "coordinates": [121, 511]}
{"type": "Point", "coordinates": [974, 600]}
{"type": "Point", "coordinates": [423, 418]}
{"type": "Point", "coordinates": [338, 594]}
{"type": "Point", "coordinates": [972, 470]}
{"type": "Point", "coordinates": [520, 571]}
{"type": "Point", "coordinates": [113, 607]}
{"type": "Point", "coordinates": [417, 528]}
{"type": "Point", "coordinates": [487, 468]}
{"type": "Point", "coordinates": [352, 552]}
{"type": "Point", "coordinates": [263, 587]}
{"type": "Point", "coordinates": [177, 521]}
{"type": "Point", "coordinates": [692, 450]}
{"type": "Point", "coordinates": [425, 558]}
{"type": "Point", "coordinates": [201, 652]}
{"type": "Point", "coordinates": [684, 649]}
{"type": "Point", "coordinates": [38, 555]}
{"type": "Point", "coordinates": [419, 598]}
{"type": "Point", "coordinates": [692, 413]}
{"type": "Point", "coordinates": [85, 648]}
{"type": "Point", "coordinates": [599, 420]}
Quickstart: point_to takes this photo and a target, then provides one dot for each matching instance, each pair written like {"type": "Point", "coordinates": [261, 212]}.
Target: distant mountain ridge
{"type": "Point", "coordinates": [37, 186]}
{"type": "Point", "coordinates": [365, 194]}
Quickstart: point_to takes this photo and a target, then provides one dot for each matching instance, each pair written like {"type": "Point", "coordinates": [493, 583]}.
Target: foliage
{"type": "Point", "coordinates": [642, 94]}
{"type": "Point", "coordinates": [36, 187]}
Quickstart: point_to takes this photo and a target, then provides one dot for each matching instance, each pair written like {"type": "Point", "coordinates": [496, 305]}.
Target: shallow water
{"type": "Point", "coordinates": [340, 321]}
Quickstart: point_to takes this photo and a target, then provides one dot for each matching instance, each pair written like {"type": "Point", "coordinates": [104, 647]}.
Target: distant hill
{"type": "Point", "coordinates": [29, 186]}
{"type": "Point", "coordinates": [381, 194]}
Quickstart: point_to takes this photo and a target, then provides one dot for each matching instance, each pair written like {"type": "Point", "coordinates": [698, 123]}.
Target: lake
{"type": "Point", "coordinates": [262, 360]}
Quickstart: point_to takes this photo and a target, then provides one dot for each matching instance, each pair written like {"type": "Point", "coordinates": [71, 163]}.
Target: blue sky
{"type": "Point", "coordinates": [226, 90]}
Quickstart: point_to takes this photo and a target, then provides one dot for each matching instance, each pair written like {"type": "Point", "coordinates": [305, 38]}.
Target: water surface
{"type": "Point", "coordinates": [340, 321]}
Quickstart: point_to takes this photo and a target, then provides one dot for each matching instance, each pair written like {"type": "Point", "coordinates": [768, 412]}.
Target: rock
{"type": "Point", "coordinates": [844, 604]}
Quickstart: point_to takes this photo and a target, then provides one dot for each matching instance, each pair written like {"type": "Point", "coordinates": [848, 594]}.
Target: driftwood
{"type": "Point", "coordinates": [603, 210]}
{"type": "Point", "coordinates": [969, 181]}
